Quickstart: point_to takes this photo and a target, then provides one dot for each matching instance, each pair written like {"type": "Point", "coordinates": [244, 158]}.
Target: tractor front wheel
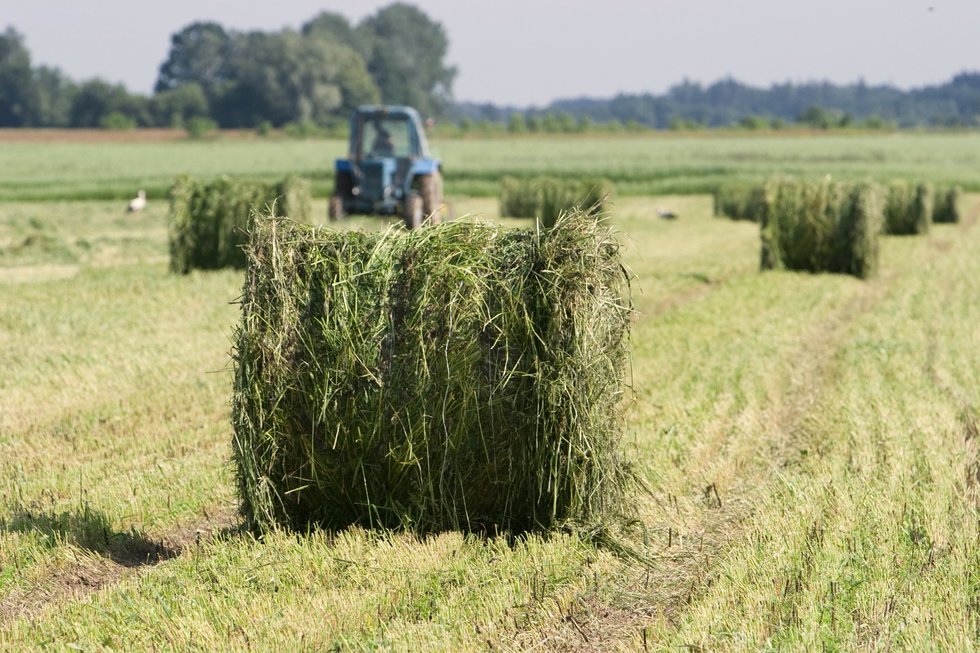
{"type": "Point", "coordinates": [413, 211]}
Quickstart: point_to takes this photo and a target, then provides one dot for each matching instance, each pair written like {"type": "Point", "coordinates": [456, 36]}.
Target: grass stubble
{"type": "Point", "coordinates": [809, 440]}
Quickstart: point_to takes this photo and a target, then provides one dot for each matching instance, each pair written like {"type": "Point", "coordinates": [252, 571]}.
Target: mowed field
{"type": "Point", "coordinates": [810, 443]}
{"type": "Point", "coordinates": [639, 164]}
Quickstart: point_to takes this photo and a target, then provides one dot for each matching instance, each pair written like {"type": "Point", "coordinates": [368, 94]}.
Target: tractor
{"type": "Point", "coordinates": [389, 170]}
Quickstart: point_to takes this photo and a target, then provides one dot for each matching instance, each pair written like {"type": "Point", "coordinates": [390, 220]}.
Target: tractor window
{"type": "Point", "coordinates": [387, 137]}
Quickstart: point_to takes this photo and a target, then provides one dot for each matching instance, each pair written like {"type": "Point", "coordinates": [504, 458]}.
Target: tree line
{"type": "Point", "coordinates": [728, 103]}
{"type": "Point", "coordinates": [310, 76]}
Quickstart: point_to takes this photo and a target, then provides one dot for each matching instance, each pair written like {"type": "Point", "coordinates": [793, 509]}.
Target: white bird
{"type": "Point", "coordinates": [665, 213]}
{"type": "Point", "coordinates": [138, 203]}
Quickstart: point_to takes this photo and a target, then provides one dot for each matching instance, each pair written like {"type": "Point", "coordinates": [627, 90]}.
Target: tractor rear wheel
{"type": "Point", "coordinates": [430, 188]}
{"type": "Point", "coordinates": [335, 208]}
{"type": "Point", "coordinates": [413, 211]}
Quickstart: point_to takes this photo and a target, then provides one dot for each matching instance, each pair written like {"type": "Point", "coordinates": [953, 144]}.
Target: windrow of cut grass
{"type": "Point", "coordinates": [822, 226]}
{"type": "Point", "coordinates": [547, 198]}
{"type": "Point", "coordinates": [209, 220]}
{"type": "Point", "coordinates": [457, 377]}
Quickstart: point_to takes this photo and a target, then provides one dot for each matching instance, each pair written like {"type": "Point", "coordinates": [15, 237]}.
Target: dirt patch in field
{"type": "Point", "coordinates": [971, 217]}
{"type": "Point", "coordinates": [37, 273]}
{"type": "Point", "coordinates": [102, 564]}
{"type": "Point", "coordinates": [107, 136]}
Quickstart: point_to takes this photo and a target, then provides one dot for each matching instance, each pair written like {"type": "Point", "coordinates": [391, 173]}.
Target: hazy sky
{"type": "Point", "coordinates": [533, 51]}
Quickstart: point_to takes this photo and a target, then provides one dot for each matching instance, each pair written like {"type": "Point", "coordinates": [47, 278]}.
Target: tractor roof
{"type": "Point", "coordinates": [394, 110]}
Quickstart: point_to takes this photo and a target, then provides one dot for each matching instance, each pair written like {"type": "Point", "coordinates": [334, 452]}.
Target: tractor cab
{"type": "Point", "coordinates": [388, 169]}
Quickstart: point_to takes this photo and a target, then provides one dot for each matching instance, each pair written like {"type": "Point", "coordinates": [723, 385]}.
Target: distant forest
{"type": "Point", "coordinates": [308, 80]}
{"type": "Point", "coordinates": [728, 103]}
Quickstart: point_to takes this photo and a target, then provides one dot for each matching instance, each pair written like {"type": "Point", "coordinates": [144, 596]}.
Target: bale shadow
{"type": "Point", "coordinates": [91, 530]}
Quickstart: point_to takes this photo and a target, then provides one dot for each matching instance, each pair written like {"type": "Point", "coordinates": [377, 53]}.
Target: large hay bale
{"type": "Point", "coordinates": [740, 201]}
{"type": "Point", "coordinates": [908, 208]}
{"type": "Point", "coordinates": [946, 208]}
{"type": "Point", "coordinates": [209, 219]}
{"type": "Point", "coordinates": [821, 226]}
{"type": "Point", "coordinates": [459, 377]}
{"type": "Point", "coordinates": [547, 198]}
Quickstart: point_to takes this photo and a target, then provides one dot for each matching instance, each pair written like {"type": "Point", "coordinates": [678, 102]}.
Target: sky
{"type": "Point", "coordinates": [530, 52]}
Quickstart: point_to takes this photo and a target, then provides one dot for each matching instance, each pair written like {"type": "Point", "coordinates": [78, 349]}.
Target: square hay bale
{"type": "Point", "coordinates": [947, 205]}
{"type": "Point", "coordinates": [908, 208]}
{"type": "Point", "coordinates": [519, 198]}
{"type": "Point", "coordinates": [463, 376]}
{"type": "Point", "coordinates": [740, 201]}
{"type": "Point", "coordinates": [209, 219]}
{"type": "Point", "coordinates": [548, 197]}
{"type": "Point", "coordinates": [821, 227]}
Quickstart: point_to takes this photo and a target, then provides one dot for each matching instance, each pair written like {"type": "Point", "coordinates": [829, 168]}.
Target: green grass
{"type": "Point", "coordinates": [810, 443]}
{"type": "Point", "coordinates": [649, 164]}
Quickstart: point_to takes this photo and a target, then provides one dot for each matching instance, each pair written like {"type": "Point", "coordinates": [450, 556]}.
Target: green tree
{"type": "Point", "coordinates": [54, 94]}
{"type": "Point", "coordinates": [332, 27]}
{"type": "Point", "coordinates": [199, 53]}
{"type": "Point", "coordinates": [17, 97]}
{"type": "Point", "coordinates": [96, 99]}
{"type": "Point", "coordinates": [516, 124]}
{"type": "Point", "coordinates": [405, 52]}
{"type": "Point", "coordinates": [286, 77]}
{"type": "Point", "coordinates": [176, 106]}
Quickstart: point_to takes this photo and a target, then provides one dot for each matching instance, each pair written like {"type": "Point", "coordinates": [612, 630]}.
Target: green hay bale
{"type": "Point", "coordinates": [740, 201]}
{"type": "Point", "coordinates": [557, 198]}
{"type": "Point", "coordinates": [947, 205]}
{"type": "Point", "coordinates": [908, 208]}
{"type": "Point", "coordinates": [821, 227]}
{"type": "Point", "coordinates": [547, 197]}
{"type": "Point", "coordinates": [209, 219]}
{"type": "Point", "coordinates": [519, 199]}
{"type": "Point", "coordinates": [459, 377]}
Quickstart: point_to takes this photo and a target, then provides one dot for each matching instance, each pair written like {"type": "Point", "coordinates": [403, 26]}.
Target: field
{"type": "Point", "coordinates": [644, 165]}
{"type": "Point", "coordinates": [810, 443]}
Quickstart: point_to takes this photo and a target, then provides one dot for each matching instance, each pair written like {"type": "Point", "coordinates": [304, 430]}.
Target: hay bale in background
{"type": "Point", "coordinates": [822, 226]}
{"type": "Point", "coordinates": [547, 197]}
{"type": "Point", "coordinates": [209, 219]}
{"type": "Point", "coordinates": [740, 201]}
{"type": "Point", "coordinates": [459, 377]}
{"type": "Point", "coordinates": [946, 207]}
{"type": "Point", "coordinates": [908, 208]}
{"type": "Point", "coordinates": [519, 199]}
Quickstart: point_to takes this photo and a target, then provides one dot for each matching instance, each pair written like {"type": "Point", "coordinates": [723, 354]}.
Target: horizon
{"type": "Point", "coordinates": [543, 60]}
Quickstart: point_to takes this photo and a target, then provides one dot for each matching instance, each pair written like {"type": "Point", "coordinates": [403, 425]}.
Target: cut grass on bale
{"type": "Point", "coordinates": [822, 226]}
{"type": "Point", "coordinates": [209, 219]}
{"type": "Point", "coordinates": [458, 377]}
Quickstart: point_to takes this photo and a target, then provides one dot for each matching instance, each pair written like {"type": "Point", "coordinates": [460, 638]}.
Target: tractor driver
{"type": "Point", "coordinates": [383, 145]}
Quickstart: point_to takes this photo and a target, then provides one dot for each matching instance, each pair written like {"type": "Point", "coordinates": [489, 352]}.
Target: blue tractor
{"type": "Point", "coordinates": [389, 170]}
